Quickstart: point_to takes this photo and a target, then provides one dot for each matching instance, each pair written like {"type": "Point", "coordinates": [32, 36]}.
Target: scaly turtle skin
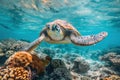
{"type": "Point", "coordinates": [60, 31]}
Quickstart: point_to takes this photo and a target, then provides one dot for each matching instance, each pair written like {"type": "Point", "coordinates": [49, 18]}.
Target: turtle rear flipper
{"type": "Point", "coordinates": [87, 40]}
{"type": "Point", "coordinates": [35, 43]}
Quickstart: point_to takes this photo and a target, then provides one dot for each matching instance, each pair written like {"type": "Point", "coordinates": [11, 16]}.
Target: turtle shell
{"type": "Point", "coordinates": [66, 26]}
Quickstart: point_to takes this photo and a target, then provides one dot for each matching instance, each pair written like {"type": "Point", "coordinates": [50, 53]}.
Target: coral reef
{"type": "Point", "coordinates": [37, 65]}
{"type": "Point", "coordinates": [59, 74]}
{"type": "Point", "coordinates": [19, 59]}
{"type": "Point", "coordinates": [11, 44]}
{"type": "Point", "coordinates": [57, 63]}
{"type": "Point", "coordinates": [112, 60]}
{"type": "Point", "coordinates": [23, 66]}
{"type": "Point", "coordinates": [112, 77]}
{"type": "Point", "coordinates": [76, 76]}
{"type": "Point", "coordinates": [14, 73]}
{"type": "Point", "coordinates": [57, 70]}
{"type": "Point", "coordinates": [80, 65]}
{"type": "Point", "coordinates": [9, 47]}
{"type": "Point", "coordinates": [16, 67]}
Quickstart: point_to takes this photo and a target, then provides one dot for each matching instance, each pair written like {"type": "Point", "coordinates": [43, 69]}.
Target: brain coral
{"type": "Point", "coordinates": [20, 58]}
{"type": "Point", "coordinates": [14, 73]}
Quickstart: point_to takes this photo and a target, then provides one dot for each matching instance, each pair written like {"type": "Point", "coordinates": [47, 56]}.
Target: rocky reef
{"type": "Point", "coordinates": [37, 65]}
{"type": "Point", "coordinates": [112, 61]}
{"type": "Point", "coordinates": [80, 65]}
{"type": "Point", "coordinates": [9, 47]}
{"type": "Point", "coordinates": [57, 70]}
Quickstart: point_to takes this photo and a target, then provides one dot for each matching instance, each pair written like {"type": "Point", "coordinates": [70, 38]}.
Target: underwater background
{"type": "Point", "coordinates": [25, 19]}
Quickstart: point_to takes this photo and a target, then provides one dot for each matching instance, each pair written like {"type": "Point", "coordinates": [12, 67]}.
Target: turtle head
{"type": "Point", "coordinates": [55, 31]}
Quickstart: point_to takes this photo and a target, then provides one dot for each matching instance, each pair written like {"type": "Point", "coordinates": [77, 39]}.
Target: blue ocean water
{"type": "Point", "coordinates": [24, 19]}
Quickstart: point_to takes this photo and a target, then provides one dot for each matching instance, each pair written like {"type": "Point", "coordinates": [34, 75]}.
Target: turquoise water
{"type": "Point", "coordinates": [24, 19]}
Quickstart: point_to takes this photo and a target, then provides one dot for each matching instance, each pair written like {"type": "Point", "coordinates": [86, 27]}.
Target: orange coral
{"type": "Point", "coordinates": [16, 67]}
{"type": "Point", "coordinates": [20, 58]}
{"type": "Point", "coordinates": [106, 79]}
{"type": "Point", "coordinates": [112, 77]}
{"type": "Point", "coordinates": [14, 73]}
{"type": "Point", "coordinates": [24, 59]}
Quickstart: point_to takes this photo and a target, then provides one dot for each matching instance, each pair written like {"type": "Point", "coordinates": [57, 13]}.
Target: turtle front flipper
{"type": "Point", "coordinates": [88, 40]}
{"type": "Point", "coordinates": [35, 43]}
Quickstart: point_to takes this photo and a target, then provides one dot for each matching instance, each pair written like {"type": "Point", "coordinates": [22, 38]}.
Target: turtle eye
{"type": "Point", "coordinates": [48, 26]}
{"type": "Point", "coordinates": [57, 27]}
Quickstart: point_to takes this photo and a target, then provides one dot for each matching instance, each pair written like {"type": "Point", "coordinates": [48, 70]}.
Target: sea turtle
{"type": "Point", "coordinates": [60, 31]}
